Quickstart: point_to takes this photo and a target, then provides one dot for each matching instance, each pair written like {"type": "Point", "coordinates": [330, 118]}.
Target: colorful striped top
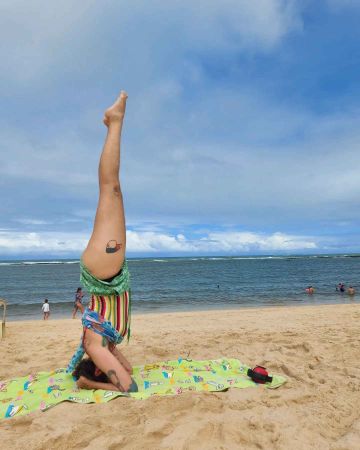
{"type": "Point", "coordinates": [114, 308]}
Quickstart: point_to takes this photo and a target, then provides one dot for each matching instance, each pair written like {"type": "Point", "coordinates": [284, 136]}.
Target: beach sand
{"type": "Point", "coordinates": [315, 347]}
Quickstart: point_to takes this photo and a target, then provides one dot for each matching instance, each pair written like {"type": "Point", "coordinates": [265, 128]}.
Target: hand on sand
{"type": "Point", "coordinates": [116, 112]}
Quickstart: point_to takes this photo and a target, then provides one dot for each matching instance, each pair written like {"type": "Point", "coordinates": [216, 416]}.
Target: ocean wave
{"type": "Point", "coordinates": [262, 257]}
{"type": "Point", "coordinates": [296, 257]}
{"type": "Point", "coordinates": [335, 256]}
{"type": "Point", "coordinates": [34, 263]}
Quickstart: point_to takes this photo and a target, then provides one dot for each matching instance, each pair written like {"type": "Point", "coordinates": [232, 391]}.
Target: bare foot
{"type": "Point", "coordinates": [116, 112]}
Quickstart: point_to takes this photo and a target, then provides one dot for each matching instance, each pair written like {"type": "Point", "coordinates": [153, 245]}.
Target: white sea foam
{"type": "Point", "coordinates": [32, 263]}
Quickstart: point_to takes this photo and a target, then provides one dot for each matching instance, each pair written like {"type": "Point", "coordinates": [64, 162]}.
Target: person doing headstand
{"type": "Point", "coordinates": [104, 272]}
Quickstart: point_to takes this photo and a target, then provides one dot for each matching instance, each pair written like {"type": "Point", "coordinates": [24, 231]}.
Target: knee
{"type": "Point", "coordinates": [116, 189]}
{"type": "Point", "coordinates": [112, 187]}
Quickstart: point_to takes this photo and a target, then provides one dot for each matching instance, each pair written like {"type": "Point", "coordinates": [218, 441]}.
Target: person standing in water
{"type": "Point", "coordinates": [103, 268]}
{"type": "Point", "coordinates": [351, 291]}
{"type": "Point", "coordinates": [340, 287]}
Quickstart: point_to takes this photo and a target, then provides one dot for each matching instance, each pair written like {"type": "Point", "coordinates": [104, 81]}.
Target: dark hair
{"type": "Point", "coordinates": [46, 300]}
{"type": "Point", "coordinates": [78, 289]}
{"type": "Point", "coordinates": [86, 368]}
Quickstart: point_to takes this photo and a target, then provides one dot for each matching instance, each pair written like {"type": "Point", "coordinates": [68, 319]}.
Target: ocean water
{"type": "Point", "coordinates": [181, 284]}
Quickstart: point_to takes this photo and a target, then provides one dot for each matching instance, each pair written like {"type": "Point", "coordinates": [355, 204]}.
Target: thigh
{"type": "Point", "coordinates": [105, 252]}
{"type": "Point", "coordinates": [97, 348]}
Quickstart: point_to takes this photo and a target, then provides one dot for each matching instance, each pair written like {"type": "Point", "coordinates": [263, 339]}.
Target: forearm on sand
{"type": "Point", "coordinates": [85, 383]}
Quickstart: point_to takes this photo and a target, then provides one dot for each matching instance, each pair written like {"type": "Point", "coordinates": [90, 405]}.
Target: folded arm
{"type": "Point", "coordinates": [85, 383]}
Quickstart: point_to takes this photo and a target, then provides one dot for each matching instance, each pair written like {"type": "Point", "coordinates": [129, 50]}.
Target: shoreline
{"type": "Point", "coordinates": [57, 317]}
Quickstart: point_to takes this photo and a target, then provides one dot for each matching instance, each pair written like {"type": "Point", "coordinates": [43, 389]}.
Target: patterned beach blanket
{"type": "Point", "coordinates": [43, 390]}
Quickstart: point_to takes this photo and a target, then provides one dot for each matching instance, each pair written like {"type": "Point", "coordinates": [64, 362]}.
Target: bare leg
{"type": "Point", "coordinates": [74, 312]}
{"type": "Point", "coordinates": [121, 358]}
{"type": "Point", "coordinates": [105, 252]}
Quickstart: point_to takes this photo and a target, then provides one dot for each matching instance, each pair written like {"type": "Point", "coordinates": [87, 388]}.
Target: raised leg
{"type": "Point", "coordinates": [105, 252]}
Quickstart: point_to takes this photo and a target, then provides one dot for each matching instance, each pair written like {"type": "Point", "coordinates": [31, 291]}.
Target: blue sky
{"type": "Point", "coordinates": [242, 131]}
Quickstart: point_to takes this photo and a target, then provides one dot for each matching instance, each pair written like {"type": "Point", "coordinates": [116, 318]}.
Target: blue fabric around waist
{"type": "Point", "coordinates": [102, 327]}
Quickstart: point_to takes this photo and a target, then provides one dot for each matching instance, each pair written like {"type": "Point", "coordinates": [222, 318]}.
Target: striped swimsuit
{"type": "Point", "coordinates": [113, 308]}
{"type": "Point", "coordinates": [109, 310]}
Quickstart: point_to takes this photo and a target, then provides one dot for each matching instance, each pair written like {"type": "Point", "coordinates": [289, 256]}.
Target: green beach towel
{"type": "Point", "coordinates": [43, 390]}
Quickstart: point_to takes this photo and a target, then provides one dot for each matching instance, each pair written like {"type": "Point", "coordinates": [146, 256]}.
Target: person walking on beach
{"type": "Point", "coordinates": [103, 267]}
{"type": "Point", "coordinates": [46, 309]}
{"type": "Point", "coordinates": [78, 302]}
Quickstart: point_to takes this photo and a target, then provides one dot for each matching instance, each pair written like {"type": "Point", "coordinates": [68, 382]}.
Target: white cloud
{"type": "Point", "coordinates": [27, 221]}
{"type": "Point", "coordinates": [150, 46]}
{"type": "Point", "coordinates": [232, 181]}
{"type": "Point", "coordinates": [18, 243]}
{"type": "Point", "coordinates": [220, 242]}
{"type": "Point", "coordinates": [44, 39]}
{"type": "Point", "coordinates": [59, 243]}
{"type": "Point", "coordinates": [236, 180]}
{"type": "Point", "coordinates": [233, 242]}
{"type": "Point", "coordinates": [195, 151]}
{"type": "Point", "coordinates": [56, 160]}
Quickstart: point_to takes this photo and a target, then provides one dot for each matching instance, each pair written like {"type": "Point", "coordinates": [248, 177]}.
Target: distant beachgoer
{"type": "Point", "coordinates": [340, 287]}
{"type": "Point", "coordinates": [78, 302]}
{"type": "Point", "coordinates": [309, 290]}
{"type": "Point", "coordinates": [46, 309]}
{"type": "Point", "coordinates": [351, 290]}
